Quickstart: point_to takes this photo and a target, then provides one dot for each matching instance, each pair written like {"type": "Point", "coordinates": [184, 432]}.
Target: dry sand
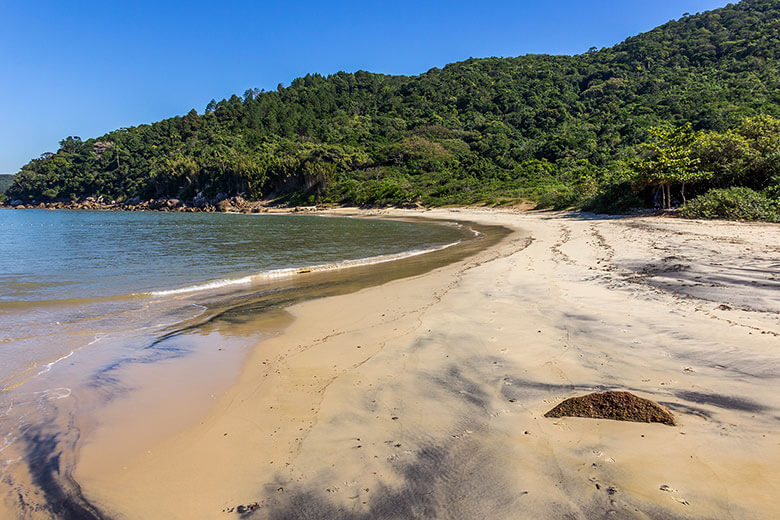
{"type": "Point", "coordinates": [424, 397]}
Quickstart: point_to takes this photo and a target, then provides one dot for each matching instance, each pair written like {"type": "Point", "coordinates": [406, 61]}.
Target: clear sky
{"type": "Point", "coordinates": [87, 67]}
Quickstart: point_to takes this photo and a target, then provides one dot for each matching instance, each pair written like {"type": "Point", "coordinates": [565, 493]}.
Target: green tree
{"type": "Point", "coordinates": [671, 160]}
{"type": "Point", "coordinates": [728, 155]}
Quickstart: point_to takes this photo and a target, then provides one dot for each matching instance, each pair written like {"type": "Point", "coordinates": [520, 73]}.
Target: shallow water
{"type": "Point", "coordinates": [56, 256]}
{"type": "Point", "coordinates": [69, 277]}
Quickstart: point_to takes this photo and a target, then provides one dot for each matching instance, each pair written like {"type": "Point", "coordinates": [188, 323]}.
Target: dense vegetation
{"type": "Point", "coordinates": [5, 182]}
{"type": "Point", "coordinates": [561, 130]}
{"type": "Point", "coordinates": [747, 157]}
{"type": "Point", "coordinates": [737, 203]}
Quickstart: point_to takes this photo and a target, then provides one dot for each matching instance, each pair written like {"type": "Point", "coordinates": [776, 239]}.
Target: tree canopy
{"type": "Point", "coordinates": [672, 160]}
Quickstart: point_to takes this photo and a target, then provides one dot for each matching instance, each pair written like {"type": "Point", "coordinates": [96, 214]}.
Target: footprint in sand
{"type": "Point", "coordinates": [601, 455]}
{"type": "Point", "coordinates": [673, 492]}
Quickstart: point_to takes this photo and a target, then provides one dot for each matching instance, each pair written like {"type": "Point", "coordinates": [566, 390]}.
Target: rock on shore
{"type": "Point", "coordinates": [220, 203]}
{"type": "Point", "coordinates": [618, 406]}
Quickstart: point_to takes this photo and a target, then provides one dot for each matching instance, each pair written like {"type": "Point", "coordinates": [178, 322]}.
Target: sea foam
{"type": "Point", "coordinates": [293, 271]}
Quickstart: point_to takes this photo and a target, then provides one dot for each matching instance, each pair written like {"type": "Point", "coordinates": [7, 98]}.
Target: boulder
{"type": "Point", "coordinates": [224, 205]}
{"type": "Point", "coordinates": [200, 201]}
{"type": "Point", "coordinates": [618, 406]}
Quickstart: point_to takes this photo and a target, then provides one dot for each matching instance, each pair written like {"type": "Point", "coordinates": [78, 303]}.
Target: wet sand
{"type": "Point", "coordinates": [424, 397]}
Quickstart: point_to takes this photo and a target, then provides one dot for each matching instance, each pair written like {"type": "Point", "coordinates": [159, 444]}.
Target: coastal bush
{"type": "Point", "coordinates": [773, 190]}
{"type": "Point", "coordinates": [738, 203]}
{"type": "Point", "coordinates": [556, 196]}
{"type": "Point", "coordinates": [5, 182]}
{"type": "Point", "coordinates": [615, 197]}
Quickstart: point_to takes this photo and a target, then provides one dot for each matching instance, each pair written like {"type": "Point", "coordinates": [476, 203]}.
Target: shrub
{"type": "Point", "coordinates": [51, 193]}
{"type": "Point", "coordinates": [773, 190]}
{"type": "Point", "coordinates": [734, 204]}
{"type": "Point", "coordinates": [618, 197]}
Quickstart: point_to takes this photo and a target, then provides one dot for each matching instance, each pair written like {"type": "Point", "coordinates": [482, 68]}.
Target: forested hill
{"type": "Point", "coordinates": [561, 129]}
{"type": "Point", "coordinates": [5, 181]}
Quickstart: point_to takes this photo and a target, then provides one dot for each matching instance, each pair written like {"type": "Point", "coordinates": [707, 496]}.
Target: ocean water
{"type": "Point", "coordinates": [61, 255]}
{"type": "Point", "coordinates": [97, 307]}
{"type": "Point", "coordinates": [90, 273]}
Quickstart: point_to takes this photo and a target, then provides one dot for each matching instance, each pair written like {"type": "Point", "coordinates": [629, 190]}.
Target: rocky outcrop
{"type": "Point", "coordinates": [199, 203]}
{"type": "Point", "coordinates": [618, 406]}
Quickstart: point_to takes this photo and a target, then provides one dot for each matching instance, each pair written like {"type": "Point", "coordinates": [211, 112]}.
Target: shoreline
{"type": "Point", "coordinates": [273, 344]}
{"type": "Point", "coordinates": [426, 395]}
{"type": "Point", "coordinates": [111, 416]}
{"type": "Point", "coordinates": [166, 205]}
{"type": "Point", "coordinates": [240, 310]}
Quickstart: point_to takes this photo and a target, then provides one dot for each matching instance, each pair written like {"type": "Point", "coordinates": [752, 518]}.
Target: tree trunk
{"type": "Point", "coordinates": [663, 197]}
{"type": "Point", "coordinates": [666, 197]}
{"type": "Point", "coordinates": [682, 192]}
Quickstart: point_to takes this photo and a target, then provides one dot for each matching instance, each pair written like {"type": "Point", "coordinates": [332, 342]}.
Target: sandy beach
{"type": "Point", "coordinates": [425, 397]}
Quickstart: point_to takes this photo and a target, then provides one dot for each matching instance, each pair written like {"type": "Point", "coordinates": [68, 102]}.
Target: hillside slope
{"type": "Point", "coordinates": [5, 181]}
{"type": "Point", "coordinates": [556, 128]}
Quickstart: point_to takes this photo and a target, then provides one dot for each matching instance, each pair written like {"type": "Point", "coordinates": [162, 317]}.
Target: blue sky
{"type": "Point", "coordinates": [87, 67]}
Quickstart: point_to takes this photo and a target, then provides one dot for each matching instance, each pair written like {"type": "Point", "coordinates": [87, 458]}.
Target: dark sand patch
{"type": "Point", "coordinates": [722, 401]}
{"type": "Point", "coordinates": [62, 497]}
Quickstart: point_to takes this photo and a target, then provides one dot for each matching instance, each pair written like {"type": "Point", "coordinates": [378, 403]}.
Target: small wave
{"type": "Point", "coordinates": [48, 366]}
{"type": "Point", "coordinates": [55, 393]}
{"type": "Point", "coordinates": [293, 271]}
{"type": "Point", "coordinates": [459, 225]}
